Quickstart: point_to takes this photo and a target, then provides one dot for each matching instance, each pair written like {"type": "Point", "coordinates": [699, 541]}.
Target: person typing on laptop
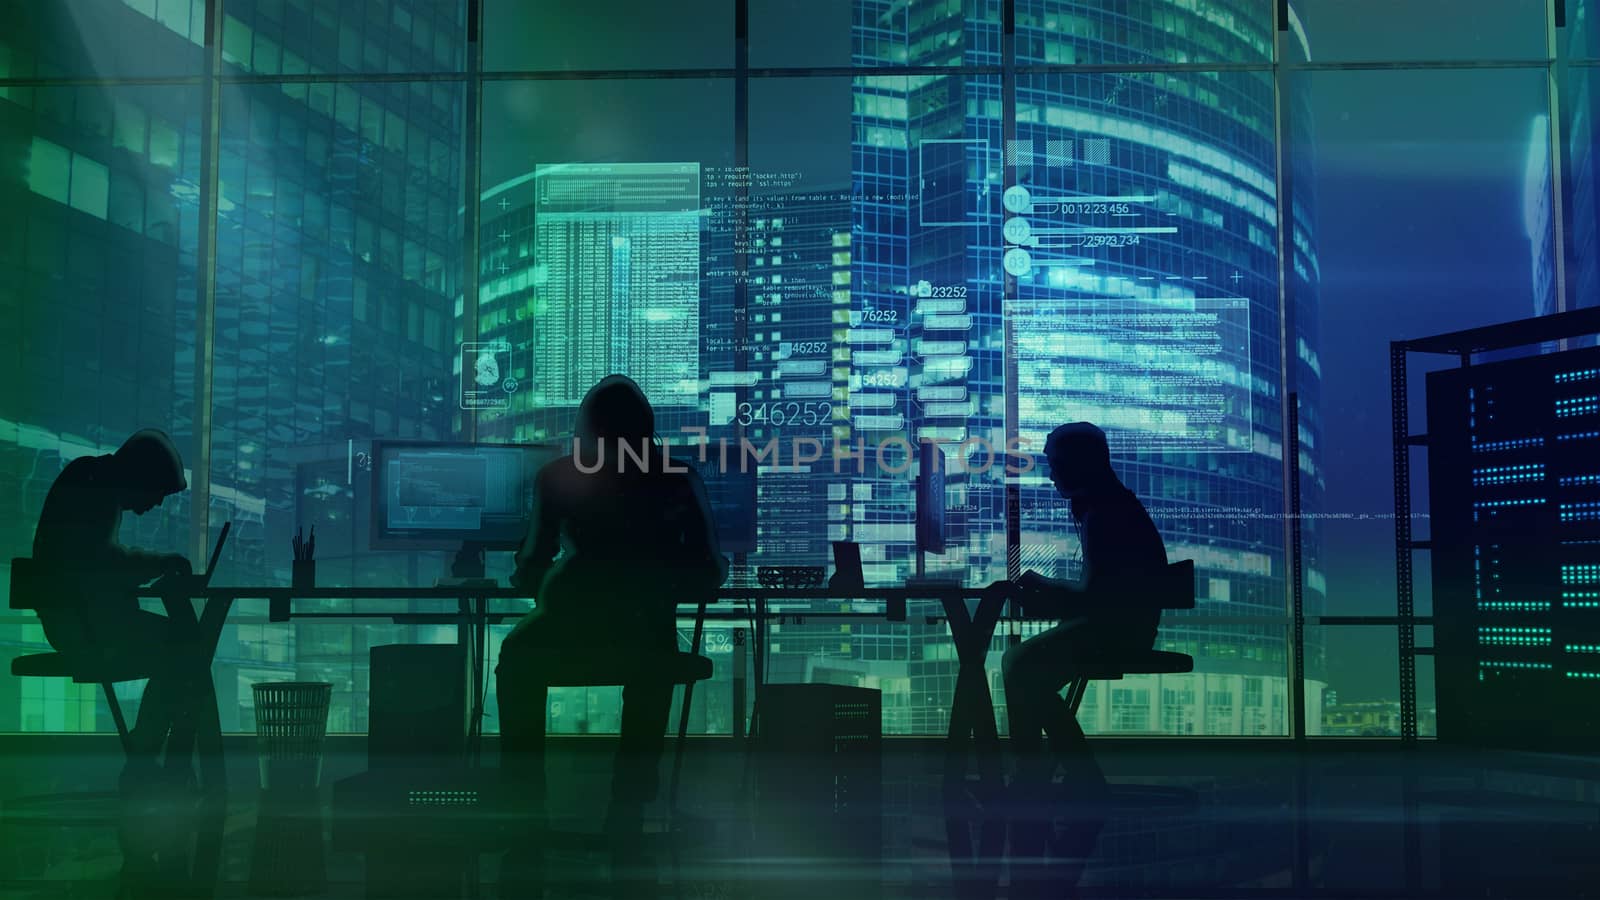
{"type": "Point", "coordinates": [93, 616]}
{"type": "Point", "coordinates": [1104, 615]}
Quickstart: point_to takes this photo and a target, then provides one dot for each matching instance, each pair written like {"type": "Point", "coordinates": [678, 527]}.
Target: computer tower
{"type": "Point", "coordinates": [420, 704]}
{"type": "Point", "coordinates": [819, 788]}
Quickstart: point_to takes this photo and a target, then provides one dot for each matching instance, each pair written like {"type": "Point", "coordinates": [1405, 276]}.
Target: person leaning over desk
{"type": "Point", "coordinates": [94, 617]}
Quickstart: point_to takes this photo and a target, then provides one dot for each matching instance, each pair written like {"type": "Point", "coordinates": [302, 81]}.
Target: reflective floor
{"type": "Point", "coordinates": [1191, 819]}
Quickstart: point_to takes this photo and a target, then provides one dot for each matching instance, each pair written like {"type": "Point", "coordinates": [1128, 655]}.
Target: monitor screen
{"type": "Point", "coordinates": [930, 498]}
{"type": "Point", "coordinates": [732, 495]}
{"type": "Point", "coordinates": [438, 496]}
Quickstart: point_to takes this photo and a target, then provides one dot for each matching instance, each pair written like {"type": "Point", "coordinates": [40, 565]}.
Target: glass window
{"type": "Point", "coordinates": [804, 33]}
{"type": "Point", "coordinates": [100, 38]}
{"type": "Point", "coordinates": [1141, 234]}
{"type": "Point", "coordinates": [302, 379]}
{"type": "Point", "coordinates": [267, 58]}
{"type": "Point", "coordinates": [125, 206]}
{"type": "Point", "coordinates": [341, 38]}
{"type": "Point", "coordinates": [49, 170]}
{"type": "Point", "coordinates": [1144, 31]}
{"type": "Point", "coordinates": [871, 33]}
{"type": "Point", "coordinates": [887, 261]}
{"type": "Point", "coordinates": [1431, 191]}
{"type": "Point", "coordinates": [1372, 30]}
{"type": "Point", "coordinates": [642, 34]}
{"type": "Point", "coordinates": [1359, 698]}
{"type": "Point", "coordinates": [96, 339]}
{"type": "Point", "coordinates": [6, 72]}
{"type": "Point", "coordinates": [182, 17]}
{"type": "Point", "coordinates": [236, 42]}
{"type": "Point", "coordinates": [649, 154]}
{"type": "Point", "coordinates": [130, 128]}
{"type": "Point", "coordinates": [582, 179]}
{"type": "Point", "coordinates": [90, 186]}
{"type": "Point", "coordinates": [1582, 38]}
{"type": "Point", "coordinates": [1580, 103]}
{"type": "Point", "coordinates": [164, 144]}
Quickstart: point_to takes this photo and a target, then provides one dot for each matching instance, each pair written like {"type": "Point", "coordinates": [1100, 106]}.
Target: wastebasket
{"type": "Point", "coordinates": [291, 723]}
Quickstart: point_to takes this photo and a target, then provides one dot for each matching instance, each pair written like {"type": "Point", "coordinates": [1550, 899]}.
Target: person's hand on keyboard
{"type": "Point", "coordinates": [179, 580]}
{"type": "Point", "coordinates": [1039, 597]}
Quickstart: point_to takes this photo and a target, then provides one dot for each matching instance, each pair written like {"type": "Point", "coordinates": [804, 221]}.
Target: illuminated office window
{"type": "Point", "coordinates": [341, 289]}
{"type": "Point", "coordinates": [50, 170]}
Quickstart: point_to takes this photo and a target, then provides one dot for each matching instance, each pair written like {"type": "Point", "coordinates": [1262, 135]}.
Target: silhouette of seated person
{"type": "Point", "coordinates": [1106, 616]}
{"type": "Point", "coordinates": [619, 537]}
{"type": "Point", "coordinates": [94, 618]}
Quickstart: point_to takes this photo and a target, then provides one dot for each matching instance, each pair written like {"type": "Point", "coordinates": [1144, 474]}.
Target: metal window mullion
{"type": "Point", "coordinates": [348, 77]}
{"type": "Point", "coordinates": [1008, 282]}
{"type": "Point", "coordinates": [1288, 361]}
{"type": "Point", "coordinates": [1558, 226]}
{"type": "Point", "coordinates": [104, 81]}
{"type": "Point", "coordinates": [472, 178]}
{"type": "Point", "coordinates": [1406, 64]}
{"type": "Point", "coordinates": [206, 283]}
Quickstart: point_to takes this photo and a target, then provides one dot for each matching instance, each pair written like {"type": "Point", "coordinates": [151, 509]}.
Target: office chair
{"type": "Point", "coordinates": [31, 589]}
{"type": "Point", "coordinates": [582, 669]}
{"type": "Point", "coordinates": [1173, 590]}
{"type": "Point", "coordinates": [32, 586]}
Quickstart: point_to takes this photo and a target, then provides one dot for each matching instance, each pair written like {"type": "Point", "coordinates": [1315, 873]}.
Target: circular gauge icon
{"type": "Point", "coordinates": [1017, 262]}
{"type": "Point", "coordinates": [509, 386]}
{"type": "Point", "coordinates": [1016, 230]}
{"type": "Point", "coordinates": [1016, 199]}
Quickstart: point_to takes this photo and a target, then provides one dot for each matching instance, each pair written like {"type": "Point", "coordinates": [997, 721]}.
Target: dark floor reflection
{"type": "Point", "coordinates": [170, 834]}
{"type": "Point", "coordinates": [288, 856]}
{"type": "Point", "coordinates": [1190, 823]}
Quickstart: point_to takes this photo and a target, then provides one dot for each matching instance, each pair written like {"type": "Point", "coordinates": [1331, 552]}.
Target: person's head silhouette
{"type": "Point", "coordinates": [1080, 460]}
{"type": "Point", "coordinates": [615, 411]}
{"type": "Point", "coordinates": [147, 468]}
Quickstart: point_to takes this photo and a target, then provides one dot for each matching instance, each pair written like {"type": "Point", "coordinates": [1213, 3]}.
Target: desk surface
{"type": "Point", "coordinates": [498, 592]}
{"type": "Point", "coordinates": [727, 595]}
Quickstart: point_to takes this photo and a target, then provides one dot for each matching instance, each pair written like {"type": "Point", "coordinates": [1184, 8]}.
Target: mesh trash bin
{"type": "Point", "coordinates": [291, 723]}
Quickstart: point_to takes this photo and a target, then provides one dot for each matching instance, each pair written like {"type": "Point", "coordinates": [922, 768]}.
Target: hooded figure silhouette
{"type": "Point", "coordinates": [94, 617]}
{"type": "Point", "coordinates": [1104, 617]}
{"type": "Point", "coordinates": [78, 528]}
{"type": "Point", "coordinates": [635, 537]}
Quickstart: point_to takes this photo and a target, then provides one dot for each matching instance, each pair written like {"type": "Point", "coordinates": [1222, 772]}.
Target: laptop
{"type": "Point", "coordinates": [847, 572]}
{"type": "Point", "coordinates": [216, 554]}
{"type": "Point", "coordinates": [201, 580]}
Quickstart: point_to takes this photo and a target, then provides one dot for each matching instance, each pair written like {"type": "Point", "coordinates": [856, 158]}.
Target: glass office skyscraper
{"type": "Point", "coordinates": [337, 250]}
{"type": "Point", "coordinates": [1144, 297]}
{"type": "Point", "coordinates": [99, 299]}
{"type": "Point", "coordinates": [338, 255]}
{"type": "Point", "coordinates": [1000, 253]}
{"type": "Point", "coordinates": [1106, 249]}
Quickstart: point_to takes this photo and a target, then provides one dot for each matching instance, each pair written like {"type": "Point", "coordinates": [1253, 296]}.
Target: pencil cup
{"type": "Point", "coordinates": [305, 574]}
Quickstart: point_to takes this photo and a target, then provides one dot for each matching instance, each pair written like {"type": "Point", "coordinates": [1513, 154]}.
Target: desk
{"type": "Point", "coordinates": [472, 618]}
{"type": "Point", "coordinates": [971, 708]}
{"type": "Point", "coordinates": [974, 827]}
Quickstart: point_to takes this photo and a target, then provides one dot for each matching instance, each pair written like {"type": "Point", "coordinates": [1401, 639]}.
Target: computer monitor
{"type": "Point", "coordinates": [444, 496]}
{"type": "Point", "coordinates": [732, 495]}
{"type": "Point", "coordinates": [930, 498]}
